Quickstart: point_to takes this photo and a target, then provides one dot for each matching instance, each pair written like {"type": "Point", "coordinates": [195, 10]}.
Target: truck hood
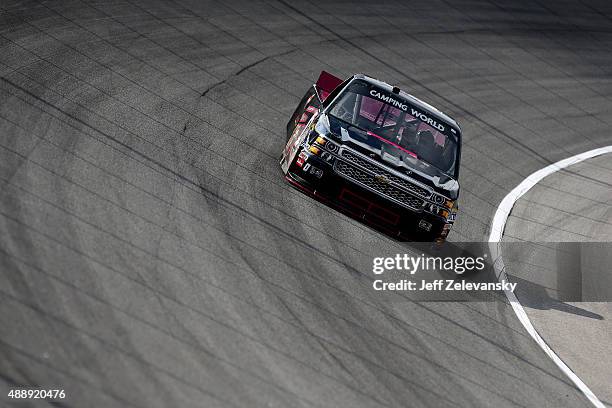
{"type": "Point", "coordinates": [387, 153]}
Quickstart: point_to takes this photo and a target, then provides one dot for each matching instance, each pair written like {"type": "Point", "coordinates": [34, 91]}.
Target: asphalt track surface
{"type": "Point", "coordinates": [567, 288]}
{"type": "Point", "coordinates": [151, 254]}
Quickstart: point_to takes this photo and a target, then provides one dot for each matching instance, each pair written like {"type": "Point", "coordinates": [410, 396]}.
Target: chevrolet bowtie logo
{"type": "Point", "coordinates": [381, 178]}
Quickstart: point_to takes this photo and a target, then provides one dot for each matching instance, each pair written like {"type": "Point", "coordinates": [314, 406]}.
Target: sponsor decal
{"type": "Point", "coordinates": [312, 109]}
{"type": "Point", "coordinates": [301, 160]}
{"type": "Point", "coordinates": [390, 100]}
{"type": "Point", "coordinates": [317, 172]}
{"type": "Point", "coordinates": [425, 225]}
{"type": "Point", "coordinates": [406, 108]}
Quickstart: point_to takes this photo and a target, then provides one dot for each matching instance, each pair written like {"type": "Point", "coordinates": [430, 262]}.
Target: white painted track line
{"type": "Point", "coordinates": [497, 230]}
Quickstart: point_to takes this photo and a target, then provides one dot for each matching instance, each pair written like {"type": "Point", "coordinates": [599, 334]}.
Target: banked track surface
{"type": "Point", "coordinates": [151, 254]}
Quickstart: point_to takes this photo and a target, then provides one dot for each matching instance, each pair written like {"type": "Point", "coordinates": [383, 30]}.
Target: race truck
{"type": "Point", "coordinates": [378, 154]}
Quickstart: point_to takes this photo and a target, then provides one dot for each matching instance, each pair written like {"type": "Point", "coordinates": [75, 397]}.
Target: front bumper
{"type": "Point", "coordinates": [319, 179]}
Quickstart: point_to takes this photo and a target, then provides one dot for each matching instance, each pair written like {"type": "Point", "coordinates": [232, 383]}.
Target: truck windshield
{"type": "Point", "coordinates": [388, 116]}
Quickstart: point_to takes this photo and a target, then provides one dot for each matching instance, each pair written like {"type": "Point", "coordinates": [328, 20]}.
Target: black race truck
{"type": "Point", "coordinates": [377, 153]}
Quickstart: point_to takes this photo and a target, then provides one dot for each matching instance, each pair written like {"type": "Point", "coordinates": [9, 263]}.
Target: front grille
{"type": "Point", "coordinates": [413, 188]}
{"type": "Point", "coordinates": [366, 179]}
